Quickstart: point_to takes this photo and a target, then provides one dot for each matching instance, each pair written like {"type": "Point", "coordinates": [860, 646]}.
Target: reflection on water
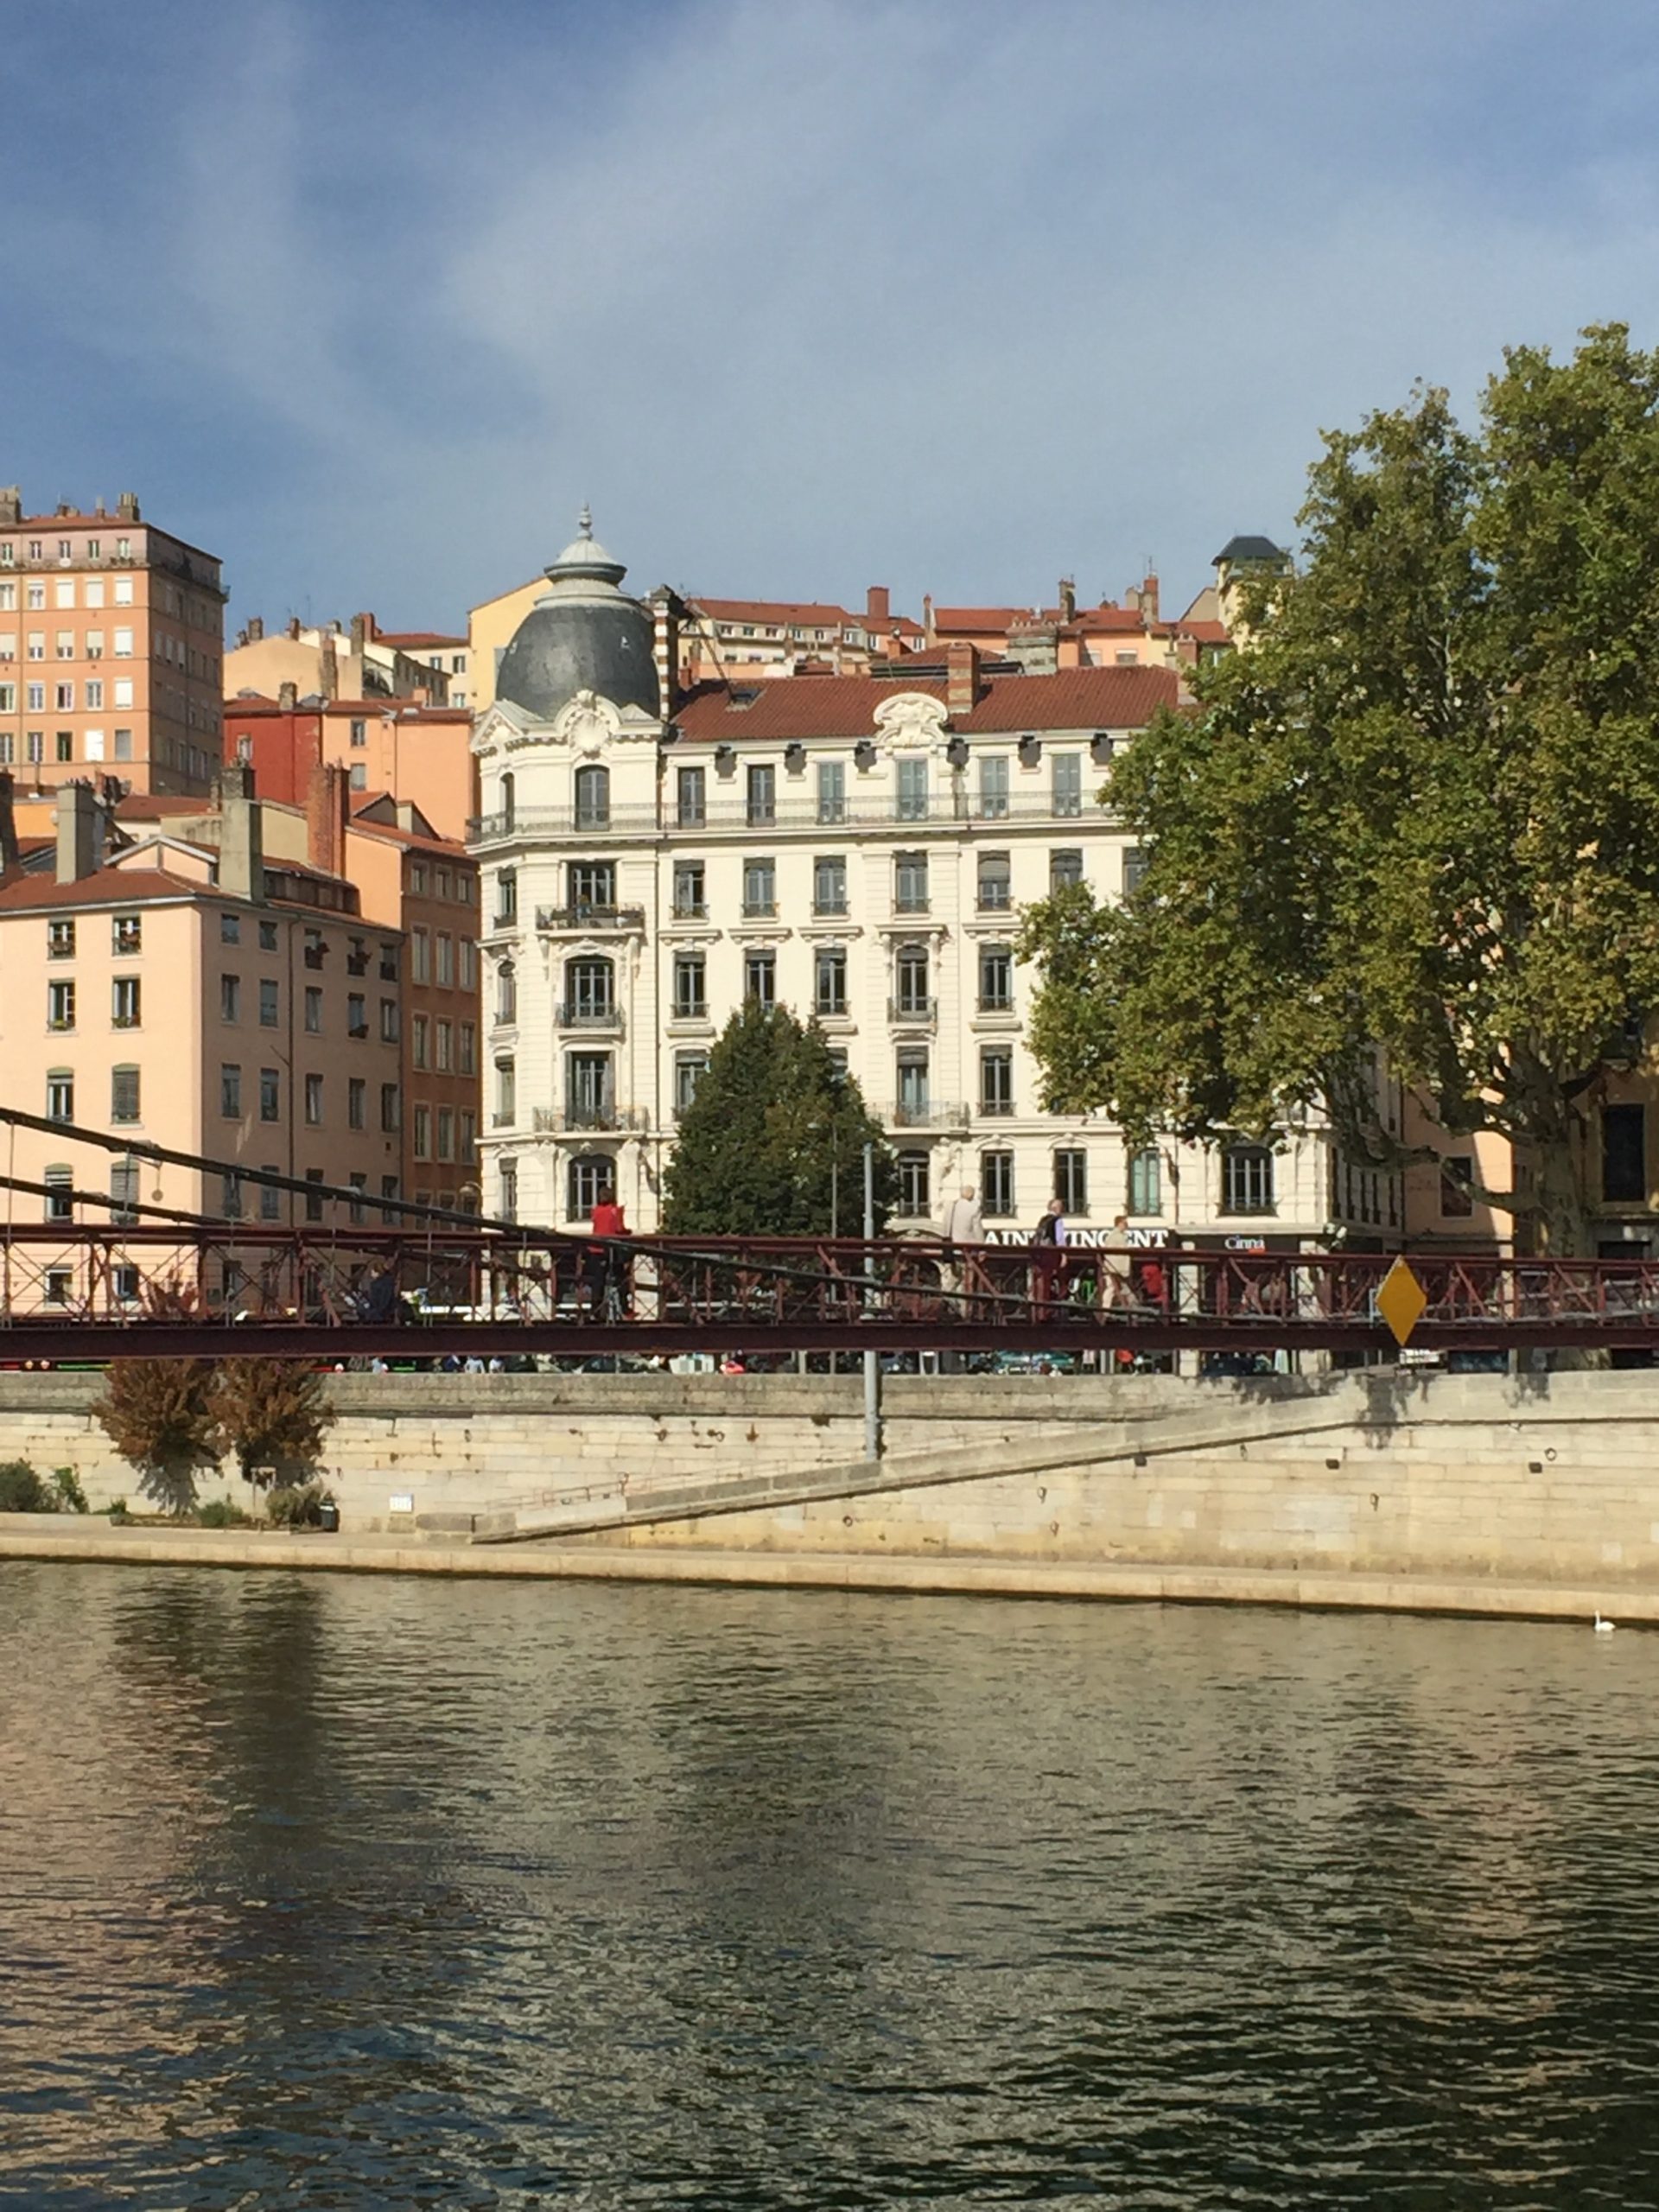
{"type": "Point", "coordinates": [380, 1894]}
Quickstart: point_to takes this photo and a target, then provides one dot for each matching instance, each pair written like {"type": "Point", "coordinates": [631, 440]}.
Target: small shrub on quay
{"type": "Point", "coordinates": [22, 1490]}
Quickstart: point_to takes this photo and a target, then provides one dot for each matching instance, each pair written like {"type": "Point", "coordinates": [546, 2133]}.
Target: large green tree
{"type": "Point", "coordinates": [773, 1142]}
{"type": "Point", "coordinates": [1418, 813]}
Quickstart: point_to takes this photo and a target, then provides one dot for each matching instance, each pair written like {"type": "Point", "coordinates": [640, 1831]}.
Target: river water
{"type": "Point", "coordinates": [377, 1893]}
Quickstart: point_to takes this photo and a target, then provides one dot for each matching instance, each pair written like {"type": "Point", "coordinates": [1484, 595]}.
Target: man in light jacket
{"type": "Point", "coordinates": [964, 1223]}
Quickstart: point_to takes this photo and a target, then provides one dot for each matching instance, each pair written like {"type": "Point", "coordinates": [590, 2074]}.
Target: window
{"type": "Point", "coordinates": [761, 795]}
{"type": "Point", "coordinates": [832, 790]}
{"type": "Point", "coordinates": [422, 1120]}
{"type": "Point", "coordinates": [994, 786]}
{"type": "Point", "coordinates": [466, 1049]}
{"type": "Point", "coordinates": [445, 963]}
{"type": "Point", "coordinates": [34, 739]}
{"type": "Point", "coordinates": [446, 1126]}
{"type": "Point", "coordinates": [123, 1191]}
{"type": "Point", "coordinates": [911, 1067]}
{"type": "Point", "coordinates": [314, 1199]}
{"type": "Point", "coordinates": [1146, 1181]}
{"type": "Point", "coordinates": [125, 1002]}
{"type": "Point", "coordinates": [507, 1094]}
{"type": "Point", "coordinates": [759, 888]}
{"type": "Point", "coordinates": [60, 940]}
{"type": "Point", "coordinates": [829, 979]}
{"type": "Point", "coordinates": [829, 884]}
{"type": "Point", "coordinates": [314, 1102]}
{"type": "Point", "coordinates": [1624, 1155]}
{"type": "Point", "coordinates": [910, 883]}
{"type": "Point", "coordinates": [59, 1206]}
{"type": "Point", "coordinates": [690, 898]}
{"type": "Point", "coordinates": [230, 998]}
{"type": "Point", "coordinates": [389, 961]}
{"type": "Point", "coordinates": [589, 991]}
{"type": "Point", "coordinates": [126, 935]}
{"type": "Point", "coordinates": [1246, 1179]}
{"type": "Point", "coordinates": [1071, 1181]}
{"type": "Point", "coordinates": [271, 1095]}
{"type": "Point", "coordinates": [443, 1032]}
{"type": "Point", "coordinates": [997, 1184]}
{"type": "Point", "coordinates": [230, 1091]}
{"type": "Point", "coordinates": [267, 937]}
{"type": "Point", "coordinates": [910, 790]}
{"type": "Point", "coordinates": [1068, 783]}
{"type": "Point", "coordinates": [392, 1114]}
{"type": "Point", "coordinates": [357, 1092]}
{"type": "Point", "coordinates": [94, 698]}
{"type": "Point", "coordinates": [391, 1027]}
{"type": "Point", "coordinates": [593, 883]}
{"type": "Point", "coordinates": [996, 979]}
{"type": "Point", "coordinates": [590, 1097]}
{"type": "Point", "coordinates": [910, 978]}
{"type": "Point", "coordinates": [64, 744]}
{"type": "Point", "coordinates": [268, 1003]}
{"type": "Point", "coordinates": [1065, 866]}
{"type": "Point", "coordinates": [420, 957]}
{"type": "Point", "coordinates": [359, 782]}
{"type": "Point", "coordinates": [271, 1198]}
{"type": "Point", "coordinates": [124, 1094]}
{"type": "Point", "coordinates": [468, 962]}
{"type": "Point", "coordinates": [689, 797]}
{"type": "Point", "coordinates": [359, 733]}
{"type": "Point", "coordinates": [507, 1190]}
{"type": "Point", "coordinates": [690, 1069]}
{"type": "Point", "coordinates": [506, 1001]}
{"type": "Point", "coordinates": [590, 1176]}
{"type": "Point", "coordinates": [690, 995]}
{"type": "Point", "coordinates": [914, 1192]}
{"type": "Point", "coordinates": [592, 798]}
{"type": "Point", "coordinates": [357, 1015]}
{"type": "Point", "coordinates": [61, 1095]}
{"type": "Point", "coordinates": [230, 928]}
{"type": "Point", "coordinates": [123, 646]}
{"type": "Point", "coordinates": [94, 585]}
{"type": "Point", "coordinates": [509, 802]}
{"type": "Point", "coordinates": [419, 1033]}
{"type": "Point", "coordinates": [996, 1079]}
{"type": "Point", "coordinates": [761, 978]}
{"type": "Point", "coordinates": [1457, 1174]}
{"type": "Point", "coordinates": [467, 1147]}
{"type": "Point", "coordinates": [313, 1010]}
{"type": "Point", "coordinates": [124, 744]}
{"type": "Point", "coordinates": [1134, 869]}
{"type": "Point", "coordinates": [506, 898]}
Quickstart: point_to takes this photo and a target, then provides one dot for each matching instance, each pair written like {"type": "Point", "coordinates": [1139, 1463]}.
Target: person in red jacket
{"type": "Point", "coordinates": [609, 1266]}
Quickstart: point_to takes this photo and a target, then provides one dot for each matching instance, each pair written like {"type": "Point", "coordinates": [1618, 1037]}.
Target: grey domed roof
{"type": "Point", "coordinates": [583, 634]}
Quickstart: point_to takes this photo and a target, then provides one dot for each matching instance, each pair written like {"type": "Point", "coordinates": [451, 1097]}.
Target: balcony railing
{"type": "Point", "coordinates": [909, 1013]}
{"type": "Point", "coordinates": [872, 811]}
{"type": "Point", "coordinates": [577, 1015]}
{"type": "Point", "coordinates": [559, 1120]}
{"type": "Point", "coordinates": [584, 916]}
{"type": "Point", "coordinates": [923, 1114]}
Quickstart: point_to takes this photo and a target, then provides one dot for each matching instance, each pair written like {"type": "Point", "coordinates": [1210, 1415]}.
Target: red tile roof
{"type": "Point", "coordinates": [143, 806]}
{"type": "Point", "coordinates": [806, 613]}
{"type": "Point", "coordinates": [844, 706]}
{"type": "Point", "coordinates": [979, 618]}
{"type": "Point", "coordinates": [403, 639]}
{"type": "Point", "coordinates": [107, 886]}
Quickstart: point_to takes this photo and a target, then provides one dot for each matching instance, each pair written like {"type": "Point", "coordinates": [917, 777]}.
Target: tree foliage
{"type": "Point", "coordinates": [774, 1137]}
{"type": "Point", "coordinates": [1418, 812]}
{"type": "Point", "coordinates": [272, 1414]}
{"type": "Point", "coordinates": [160, 1415]}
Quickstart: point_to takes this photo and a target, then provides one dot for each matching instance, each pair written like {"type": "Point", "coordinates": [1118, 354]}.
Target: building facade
{"type": "Point", "coordinates": [111, 649]}
{"type": "Point", "coordinates": [857, 848]}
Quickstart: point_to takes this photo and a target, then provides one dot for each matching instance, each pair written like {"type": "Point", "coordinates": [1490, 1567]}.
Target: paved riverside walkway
{"type": "Point", "coordinates": [58, 1538]}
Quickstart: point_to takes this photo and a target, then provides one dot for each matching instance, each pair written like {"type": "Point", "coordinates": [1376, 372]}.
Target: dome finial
{"type": "Point", "coordinates": [585, 520]}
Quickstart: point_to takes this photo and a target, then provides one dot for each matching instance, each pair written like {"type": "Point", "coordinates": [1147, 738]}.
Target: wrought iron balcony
{"type": "Point", "coordinates": [561, 1121]}
{"type": "Point", "coordinates": [576, 1014]}
{"type": "Point", "coordinates": [923, 1114]}
{"type": "Point", "coordinates": [913, 1012]}
{"type": "Point", "coordinates": [584, 918]}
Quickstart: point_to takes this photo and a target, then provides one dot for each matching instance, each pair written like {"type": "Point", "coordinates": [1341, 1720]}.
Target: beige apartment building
{"type": "Point", "coordinates": [112, 645]}
{"type": "Point", "coordinates": [215, 1001]}
{"type": "Point", "coordinates": [330, 660]}
{"type": "Point", "coordinates": [855, 847]}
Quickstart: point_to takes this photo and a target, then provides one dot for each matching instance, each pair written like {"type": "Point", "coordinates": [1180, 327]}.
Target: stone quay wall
{"type": "Point", "coordinates": [1545, 1477]}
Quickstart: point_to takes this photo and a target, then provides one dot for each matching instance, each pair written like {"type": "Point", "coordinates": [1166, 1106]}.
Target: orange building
{"type": "Point", "coordinates": [421, 755]}
{"type": "Point", "coordinates": [111, 646]}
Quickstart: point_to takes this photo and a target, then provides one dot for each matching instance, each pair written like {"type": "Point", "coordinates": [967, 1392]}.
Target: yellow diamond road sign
{"type": "Point", "coordinates": [1401, 1301]}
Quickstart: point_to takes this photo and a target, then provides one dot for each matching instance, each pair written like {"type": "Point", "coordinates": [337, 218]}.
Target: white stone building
{"type": "Point", "coordinates": [856, 847]}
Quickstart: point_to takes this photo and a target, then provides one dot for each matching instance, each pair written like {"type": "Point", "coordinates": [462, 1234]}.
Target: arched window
{"type": "Point", "coordinates": [506, 993]}
{"type": "Point", "coordinates": [507, 802]}
{"type": "Point", "coordinates": [910, 992]}
{"type": "Point", "coordinates": [589, 991]}
{"type": "Point", "coordinates": [592, 798]}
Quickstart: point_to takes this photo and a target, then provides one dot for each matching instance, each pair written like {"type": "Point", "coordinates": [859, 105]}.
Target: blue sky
{"type": "Point", "coordinates": [802, 294]}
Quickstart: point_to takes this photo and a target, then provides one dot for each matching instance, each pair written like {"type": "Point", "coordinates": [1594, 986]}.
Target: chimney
{"type": "Point", "coordinates": [1150, 597]}
{"type": "Point", "coordinates": [78, 827]}
{"type": "Point", "coordinates": [10, 859]}
{"type": "Point", "coordinates": [665, 611]}
{"type": "Point", "coordinates": [288, 697]}
{"type": "Point", "coordinates": [98, 507]}
{"type": "Point", "coordinates": [126, 507]}
{"type": "Point", "coordinates": [927, 614]}
{"type": "Point", "coordinates": [1068, 598]}
{"type": "Point", "coordinates": [960, 678]}
{"type": "Point", "coordinates": [293, 627]}
{"type": "Point", "coordinates": [362, 631]}
{"type": "Point", "coordinates": [256, 629]}
{"type": "Point", "coordinates": [11, 503]}
{"type": "Point", "coordinates": [328, 675]}
{"type": "Point", "coordinates": [241, 836]}
{"type": "Point", "coordinates": [326, 801]}
{"type": "Point", "coordinates": [878, 609]}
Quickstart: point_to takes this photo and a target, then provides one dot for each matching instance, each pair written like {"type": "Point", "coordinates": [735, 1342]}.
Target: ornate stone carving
{"type": "Point", "coordinates": [911, 722]}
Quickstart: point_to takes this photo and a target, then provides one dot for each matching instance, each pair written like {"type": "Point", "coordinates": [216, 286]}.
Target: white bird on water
{"type": "Point", "coordinates": [1603, 1628]}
